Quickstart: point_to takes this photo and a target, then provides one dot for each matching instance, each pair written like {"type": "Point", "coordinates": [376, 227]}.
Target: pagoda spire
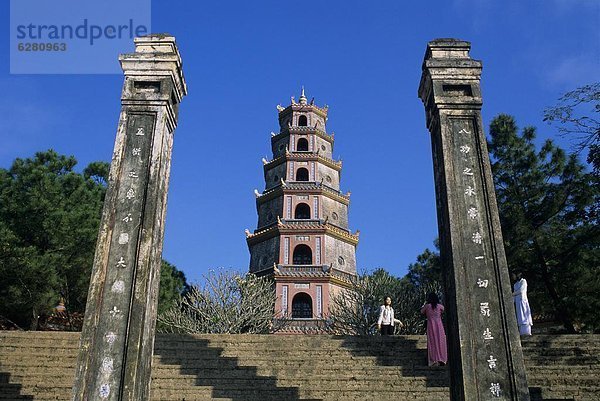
{"type": "Point", "coordinates": [302, 99]}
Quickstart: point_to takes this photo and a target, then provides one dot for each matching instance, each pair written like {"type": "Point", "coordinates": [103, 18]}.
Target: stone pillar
{"type": "Point", "coordinates": [485, 357]}
{"type": "Point", "coordinates": [117, 340]}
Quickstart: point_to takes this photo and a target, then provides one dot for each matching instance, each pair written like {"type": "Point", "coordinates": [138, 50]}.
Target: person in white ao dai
{"type": "Point", "coordinates": [523, 310]}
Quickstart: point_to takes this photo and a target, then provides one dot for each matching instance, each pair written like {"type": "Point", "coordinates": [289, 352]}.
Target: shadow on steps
{"type": "Point", "coordinates": [402, 352]}
{"type": "Point", "coordinates": [11, 391]}
{"type": "Point", "coordinates": [224, 375]}
{"type": "Point", "coordinates": [536, 394]}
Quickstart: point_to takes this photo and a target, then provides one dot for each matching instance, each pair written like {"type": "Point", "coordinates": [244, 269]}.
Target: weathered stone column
{"type": "Point", "coordinates": [118, 333]}
{"type": "Point", "coordinates": [485, 357]}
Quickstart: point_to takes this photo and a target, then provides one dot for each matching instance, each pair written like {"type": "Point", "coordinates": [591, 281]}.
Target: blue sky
{"type": "Point", "coordinates": [363, 59]}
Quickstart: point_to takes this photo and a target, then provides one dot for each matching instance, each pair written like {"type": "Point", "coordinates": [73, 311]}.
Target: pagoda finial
{"type": "Point", "coordinates": [302, 96]}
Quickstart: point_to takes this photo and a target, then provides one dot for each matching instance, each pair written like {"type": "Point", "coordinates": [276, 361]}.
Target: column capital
{"type": "Point", "coordinates": [156, 55]}
{"type": "Point", "coordinates": [450, 78]}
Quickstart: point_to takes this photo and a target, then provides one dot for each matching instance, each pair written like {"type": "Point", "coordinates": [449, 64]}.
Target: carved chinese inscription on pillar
{"type": "Point", "coordinates": [123, 250]}
{"type": "Point", "coordinates": [479, 268]}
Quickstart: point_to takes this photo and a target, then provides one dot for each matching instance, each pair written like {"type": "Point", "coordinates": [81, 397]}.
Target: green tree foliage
{"type": "Point", "coordinates": [49, 219]}
{"type": "Point", "coordinates": [575, 113]}
{"type": "Point", "coordinates": [172, 285]}
{"type": "Point", "coordinates": [549, 223]}
{"type": "Point", "coordinates": [427, 270]}
{"type": "Point", "coordinates": [356, 309]}
{"type": "Point", "coordinates": [227, 302]}
{"type": "Point", "coordinates": [98, 172]}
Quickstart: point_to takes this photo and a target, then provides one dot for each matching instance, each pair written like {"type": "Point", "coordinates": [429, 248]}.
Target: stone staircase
{"type": "Point", "coordinates": [40, 366]}
{"type": "Point", "coordinates": [563, 367]}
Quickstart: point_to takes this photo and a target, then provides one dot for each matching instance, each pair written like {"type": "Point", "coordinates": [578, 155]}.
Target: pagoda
{"type": "Point", "coordinates": [302, 239]}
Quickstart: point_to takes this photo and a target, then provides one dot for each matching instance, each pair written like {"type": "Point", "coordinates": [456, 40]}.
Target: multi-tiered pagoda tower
{"type": "Point", "coordinates": [302, 239]}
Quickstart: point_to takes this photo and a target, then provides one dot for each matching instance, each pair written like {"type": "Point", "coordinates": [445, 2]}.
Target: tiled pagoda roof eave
{"type": "Point", "coordinates": [280, 190]}
{"type": "Point", "coordinates": [262, 235]}
{"type": "Point", "coordinates": [303, 130]}
{"type": "Point", "coordinates": [318, 273]}
{"type": "Point", "coordinates": [303, 156]}
{"type": "Point", "coordinates": [298, 227]}
{"type": "Point", "coordinates": [322, 111]}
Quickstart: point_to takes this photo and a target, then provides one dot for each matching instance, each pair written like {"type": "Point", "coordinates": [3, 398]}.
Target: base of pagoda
{"type": "Point", "coordinates": [303, 326]}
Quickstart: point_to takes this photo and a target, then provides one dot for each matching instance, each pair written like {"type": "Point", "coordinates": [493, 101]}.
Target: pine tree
{"type": "Point", "coordinates": [549, 221]}
{"type": "Point", "coordinates": [49, 220]}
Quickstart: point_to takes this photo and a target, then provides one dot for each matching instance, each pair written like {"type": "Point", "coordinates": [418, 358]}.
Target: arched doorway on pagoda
{"type": "Point", "coordinates": [302, 306]}
{"type": "Point", "coordinates": [302, 255]}
{"type": "Point", "coordinates": [302, 145]}
{"type": "Point", "coordinates": [302, 211]}
{"type": "Point", "coordinates": [302, 174]}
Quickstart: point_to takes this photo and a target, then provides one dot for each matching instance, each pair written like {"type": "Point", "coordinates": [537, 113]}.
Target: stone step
{"type": "Point", "coordinates": [311, 341]}
{"type": "Point", "coordinates": [306, 367]}
{"type": "Point", "coordinates": [296, 349]}
{"type": "Point", "coordinates": [73, 343]}
{"type": "Point", "coordinates": [177, 379]}
{"type": "Point", "coordinates": [583, 345]}
{"type": "Point", "coordinates": [560, 338]}
{"type": "Point", "coordinates": [260, 359]}
{"type": "Point", "coordinates": [429, 394]}
{"type": "Point", "coordinates": [349, 371]}
{"type": "Point", "coordinates": [300, 394]}
{"type": "Point", "coordinates": [54, 336]}
{"type": "Point", "coordinates": [281, 338]}
{"type": "Point", "coordinates": [533, 343]}
{"type": "Point", "coordinates": [324, 384]}
{"type": "Point", "coordinates": [563, 361]}
{"type": "Point", "coordinates": [295, 353]}
{"type": "Point", "coordinates": [559, 351]}
{"type": "Point", "coordinates": [38, 350]}
{"type": "Point", "coordinates": [564, 393]}
{"type": "Point", "coordinates": [555, 355]}
{"type": "Point", "coordinates": [17, 346]}
{"type": "Point", "coordinates": [588, 380]}
{"type": "Point", "coordinates": [324, 362]}
{"type": "Point", "coordinates": [45, 353]}
{"type": "Point", "coordinates": [560, 370]}
{"type": "Point", "coordinates": [209, 360]}
{"type": "Point", "coordinates": [37, 393]}
{"type": "Point", "coordinates": [66, 375]}
{"type": "Point", "coordinates": [35, 360]}
{"type": "Point", "coordinates": [298, 362]}
{"type": "Point", "coordinates": [400, 352]}
{"type": "Point", "coordinates": [17, 372]}
{"type": "Point", "coordinates": [46, 393]}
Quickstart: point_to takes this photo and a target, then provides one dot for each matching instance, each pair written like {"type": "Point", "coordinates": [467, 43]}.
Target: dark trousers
{"type": "Point", "coordinates": [387, 330]}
